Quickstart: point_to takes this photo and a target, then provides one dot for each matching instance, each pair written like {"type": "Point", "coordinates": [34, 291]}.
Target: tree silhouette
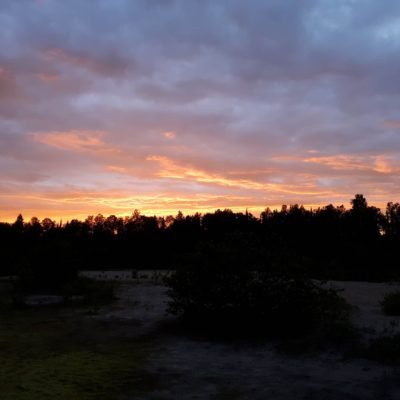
{"type": "Point", "coordinates": [328, 242]}
{"type": "Point", "coordinates": [18, 225]}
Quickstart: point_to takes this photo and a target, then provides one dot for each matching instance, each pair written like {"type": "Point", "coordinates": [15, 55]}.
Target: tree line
{"type": "Point", "coordinates": [360, 242]}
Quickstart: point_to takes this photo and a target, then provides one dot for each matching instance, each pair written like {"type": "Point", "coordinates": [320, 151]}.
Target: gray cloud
{"type": "Point", "coordinates": [239, 83]}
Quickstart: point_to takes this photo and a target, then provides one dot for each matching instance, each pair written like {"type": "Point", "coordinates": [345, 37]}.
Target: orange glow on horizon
{"type": "Point", "coordinates": [162, 212]}
{"type": "Point", "coordinates": [79, 207]}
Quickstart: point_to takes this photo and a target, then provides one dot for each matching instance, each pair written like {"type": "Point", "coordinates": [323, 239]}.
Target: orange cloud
{"type": "Point", "coordinates": [382, 165]}
{"type": "Point", "coordinates": [75, 141]}
{"type": "Point", "coordinates": [340, 162]}
{"type": "Point", "coordinates": [172, 170]}
{"type": "Point", "coordinates": [115, 168]}
{"type": "Point", "coordinates": [376, 163]}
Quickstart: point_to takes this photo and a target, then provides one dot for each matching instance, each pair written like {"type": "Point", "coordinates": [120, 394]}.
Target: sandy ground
{"type": "Point", "coordinates": [202, 369]}
{"type": "Point", "coordinates": [366, 297]}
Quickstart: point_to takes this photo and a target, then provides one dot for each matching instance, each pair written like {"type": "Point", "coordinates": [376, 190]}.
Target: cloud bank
{"type": "Point", "coordinates": [108, 106]}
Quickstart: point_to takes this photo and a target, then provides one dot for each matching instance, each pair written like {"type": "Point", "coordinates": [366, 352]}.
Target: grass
{"type": "Point", "coordinates": [79, 374]}
{"type": "Point", "coordinates": [50, 354]}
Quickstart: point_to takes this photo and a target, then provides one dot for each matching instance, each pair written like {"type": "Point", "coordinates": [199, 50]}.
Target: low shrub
{"type": "Point", "coordinates": [44, 278]}
{"type": "Point", "coordinates": [92, 291]}
{"type": "Point", "coordinates": [232, 299]}
{"type": "Point", "coordinates": [391, 303]}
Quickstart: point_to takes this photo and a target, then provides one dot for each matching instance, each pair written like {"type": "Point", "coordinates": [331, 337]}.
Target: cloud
{"type": "Point", "coordinates": [266, 102]}
{"type": "Point", "coordinates": [340, 162]}
{"type": "Point", "coordinates": [353, 163]}
{"type": "Point", "coordinates": [48, 77]}
{"type": "Point", "coordinates": [106, 64]}
{"type": "Point", "coordinates": [172, 170]}
{"type": "Point", "coordinates": [392, 124]}
{"type": "Point", "coordinates": [169, 135]}
{"type": "Point", "coordinates": [80, 141]}
{"type": "Point", "coordinates": [7, 80]}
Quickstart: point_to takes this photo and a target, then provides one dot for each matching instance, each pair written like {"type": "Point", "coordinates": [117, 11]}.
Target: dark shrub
{"type": "Point", "coordinates": [391, 303]}
{"type": "Point", "coordinates": [45, 277]}
{"type": "Point", "coordinates": [227, 297]}
{"type": "Point", "coordinates": [46, 267]}
{"type": "Point", "coordinates": [91, 290]}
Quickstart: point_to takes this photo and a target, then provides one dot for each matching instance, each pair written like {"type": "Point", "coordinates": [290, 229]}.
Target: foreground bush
{"type": "Point", "coordinates": [391, 303]}
{"type": "Point", "coordinates": [91, 290]}
{"type": "Point", "coordinates": [60, 279]}
{"type": "Point", "coordinates": [50, 278]}
{"type": "Point", "coordinates": [230, 298]}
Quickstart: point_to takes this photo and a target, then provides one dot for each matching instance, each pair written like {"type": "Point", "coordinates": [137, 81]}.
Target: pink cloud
{"type": "Point", "coordinates": [392, 123]}
{"type": "Point", "coordinates": [171, 169]}
{"type": "Point", "coordinates": [169, 135]}
{"type": "Point", "coordinates": [48, 77]}
{"type": "Point", "coordinates": [75, 140]}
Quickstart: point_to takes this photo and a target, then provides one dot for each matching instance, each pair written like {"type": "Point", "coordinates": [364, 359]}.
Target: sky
{"type": "Point", "coordinates": [107, 106]}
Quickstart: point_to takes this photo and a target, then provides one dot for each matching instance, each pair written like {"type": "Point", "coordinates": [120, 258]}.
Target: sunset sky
{"type": "Point", "coordinates": [162, 105]}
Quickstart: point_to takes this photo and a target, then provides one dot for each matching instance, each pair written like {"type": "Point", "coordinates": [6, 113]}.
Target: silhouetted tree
{"type": "Point", "coordinates": [34, 227]}
{"type": "Point", "coordinates": [359, 203]}
{"type": "Point", "coordinates": [328, 242]}
{"type": "Point", "coordinates": [18, 225]}
{"type": "Point", "coordinates": [48, 224]}
{"type": "Point", "coordinates": [392, 226]}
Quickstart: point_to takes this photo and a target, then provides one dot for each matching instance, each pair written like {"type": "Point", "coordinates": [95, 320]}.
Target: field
{"type": "Point", "coordinates": [130, 349]}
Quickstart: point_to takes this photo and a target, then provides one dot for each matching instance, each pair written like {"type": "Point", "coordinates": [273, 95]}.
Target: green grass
{"type": "Point", "coordinates": [47, 354]}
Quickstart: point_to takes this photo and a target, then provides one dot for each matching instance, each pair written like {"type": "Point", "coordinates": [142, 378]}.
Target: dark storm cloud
{"type": "Point", "coordinates": [218, 98]}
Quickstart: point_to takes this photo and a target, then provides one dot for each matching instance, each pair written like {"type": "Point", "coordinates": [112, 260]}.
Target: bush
{"type": "Point", "coordinates": [45, 278]}
{"type": "Point", "coordinates": [231, 299]}
{"type": "Point", "coordinates": [391, 303]}
{"type": "Point", "coordinates": [92, 291]}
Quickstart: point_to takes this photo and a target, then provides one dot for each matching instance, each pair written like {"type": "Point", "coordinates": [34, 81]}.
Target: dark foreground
{"type": "Point", "coordinates": [128, 350]}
